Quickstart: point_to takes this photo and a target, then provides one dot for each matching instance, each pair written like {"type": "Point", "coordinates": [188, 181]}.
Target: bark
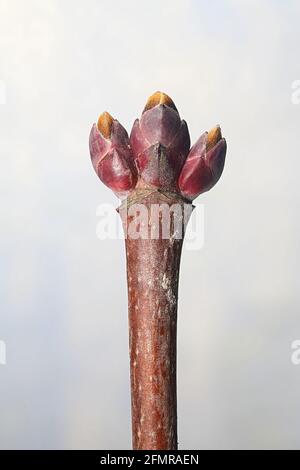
{"type": "Point", "coordinates": [153, 274]}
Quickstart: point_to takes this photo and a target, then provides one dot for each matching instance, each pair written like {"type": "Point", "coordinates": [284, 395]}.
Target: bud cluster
{"type": "Point", "coordinates": [157, 154]}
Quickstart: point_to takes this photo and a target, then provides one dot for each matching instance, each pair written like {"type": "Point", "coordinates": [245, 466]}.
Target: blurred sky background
{"type": "Point", "coordinates": [63, 301]}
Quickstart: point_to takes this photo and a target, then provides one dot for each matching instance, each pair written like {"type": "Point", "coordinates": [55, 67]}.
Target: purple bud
{"type": "Point", "coordinates": [111, 155]}
{"type": "Point", "coordinates": [160, 143]}
{"type": "Point", "coordinates": [204, 164]}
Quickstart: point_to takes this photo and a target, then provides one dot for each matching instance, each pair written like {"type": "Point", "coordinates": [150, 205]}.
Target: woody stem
{"type": "Point", "coordinates": [153, 275]}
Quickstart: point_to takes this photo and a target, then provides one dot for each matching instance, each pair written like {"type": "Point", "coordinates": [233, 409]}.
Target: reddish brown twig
{"type": "Point", "coordinates": [153, 274]}
{"type": "Point", "coordinates": [158, 176]}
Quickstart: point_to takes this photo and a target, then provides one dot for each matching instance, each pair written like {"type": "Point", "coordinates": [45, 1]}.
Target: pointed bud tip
{"type": "Point", "coordinates": [213, 137]}
{"type": "Point", "coordinates": [159, 98]}
{"type": "Point", "coordinates": [104, 124]}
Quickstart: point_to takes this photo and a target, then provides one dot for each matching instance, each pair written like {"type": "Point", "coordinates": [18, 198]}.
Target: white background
{"type": "Point", "coordinates": [63, 313]}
